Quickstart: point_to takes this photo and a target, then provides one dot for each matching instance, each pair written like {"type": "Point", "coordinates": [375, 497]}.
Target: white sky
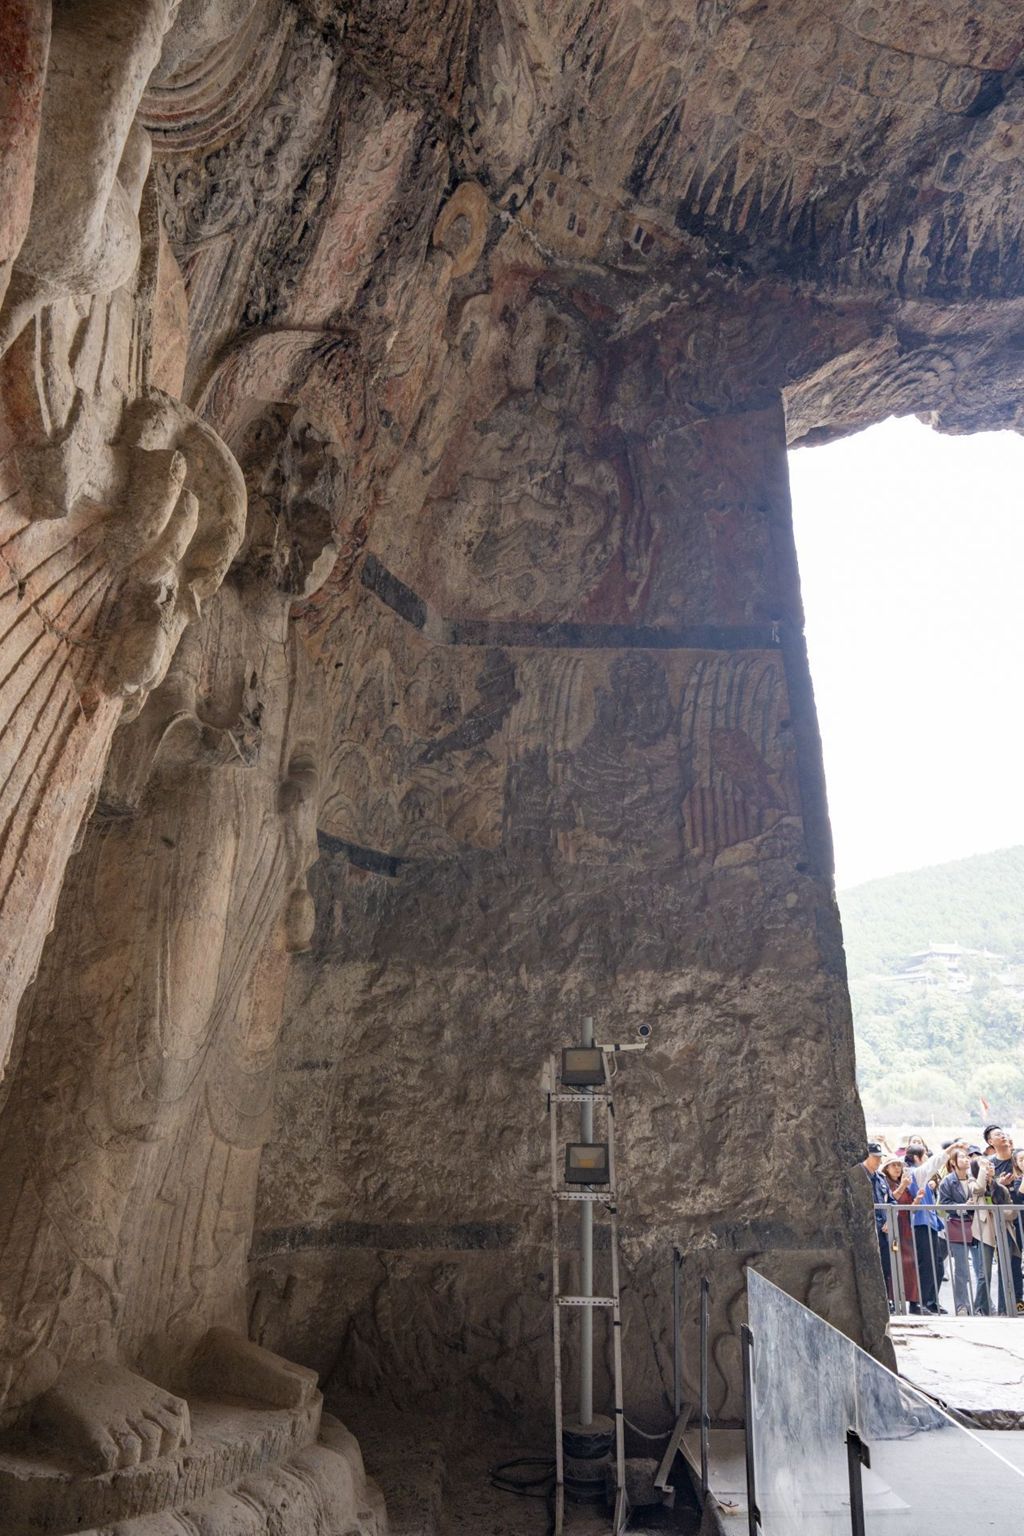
{"type": "Point", "coordinates": [911, 548]}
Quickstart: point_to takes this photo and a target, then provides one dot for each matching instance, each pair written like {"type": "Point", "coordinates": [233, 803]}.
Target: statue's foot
{"type": "Point", "coordinates": [227, 1364]}
{"type": "Point", "coordinates": [108, 1418]}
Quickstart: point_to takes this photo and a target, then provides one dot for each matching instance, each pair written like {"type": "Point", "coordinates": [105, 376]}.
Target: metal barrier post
{"type": "Point", "coordinates": [705, 1417]}
{"type": "Point", "coordinates": [916, 1260]}
{"type": "Point", "coordinates": [753, 1513]}
{"type": "Point", "coordinates": [677, 1344]}
{"type": "Point", "coordinates": [933, 1261]}
{"type": "Point", "coordinates": [1004, 1282]}
{"type": "Point", "coordinates": [947, 1265]}
{"type": "Point", "coordinates": [857, 1456]}
{"type": "Point", "coordinates": [892, 1230]}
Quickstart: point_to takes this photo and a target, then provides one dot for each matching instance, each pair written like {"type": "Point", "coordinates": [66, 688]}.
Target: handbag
{"type": "Point", "coordinates": [959, 1229]}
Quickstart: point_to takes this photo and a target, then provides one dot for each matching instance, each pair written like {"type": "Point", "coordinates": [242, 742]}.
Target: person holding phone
{"type": "Point", "coordinates": [927, 1228]}
{"type": "Point", "coordinates": [958, 1189]}
{"type": "Point", "coordinates": [903, 1191]}
{"type": "Point", "coordinates": [993, 1196]}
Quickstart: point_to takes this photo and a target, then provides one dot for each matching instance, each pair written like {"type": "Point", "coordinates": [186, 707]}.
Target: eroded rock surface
{"type": "Point", "coordinates": [393, 414]}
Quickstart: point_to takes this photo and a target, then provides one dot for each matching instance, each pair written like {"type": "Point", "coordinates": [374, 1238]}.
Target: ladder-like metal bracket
{"type": "Point", "coordinates": [580, 1098]}
{"type": "Point", "coordinates": [605, 1196]}
{"type": "Point", "coordinates": [557, 1095]}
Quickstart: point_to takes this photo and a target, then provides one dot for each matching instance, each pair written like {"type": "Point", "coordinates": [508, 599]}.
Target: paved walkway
{"type": "Point", "coordinates": [973, 1365]}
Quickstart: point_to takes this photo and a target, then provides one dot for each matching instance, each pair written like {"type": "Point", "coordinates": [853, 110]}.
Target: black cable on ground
{"type": "Point", "coordinates": [645, 1434]}
{"type": "Point", "coordinates": [540, 1486]}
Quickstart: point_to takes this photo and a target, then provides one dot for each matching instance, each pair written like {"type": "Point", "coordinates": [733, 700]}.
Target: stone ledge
{"type": "Point", "coordinates": [231, 1440]}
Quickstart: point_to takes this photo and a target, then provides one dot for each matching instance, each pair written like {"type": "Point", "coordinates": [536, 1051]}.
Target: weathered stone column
{"type": "Point", "coordinates": [576, 770]}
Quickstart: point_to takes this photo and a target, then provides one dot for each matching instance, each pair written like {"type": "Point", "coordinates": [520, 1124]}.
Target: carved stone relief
{"type": "Point", "coordinates": [121, 510]}
{"type": "Point", "coordinates": [153, 1026]}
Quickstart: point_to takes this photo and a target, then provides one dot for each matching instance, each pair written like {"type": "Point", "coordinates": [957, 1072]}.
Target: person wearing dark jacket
{"type": "Point", "coordinates": [959, 1188]}
{"type": "Point", "coordinates": [880, 1197]}
{"type": "Point", "coordinates": [1015, 1232]}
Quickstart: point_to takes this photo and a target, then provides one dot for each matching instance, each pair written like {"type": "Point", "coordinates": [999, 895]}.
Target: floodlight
{"type": "Point", "coordinates": [582, 1066]}
{"type": "Point", "coordinates": [586, 1162]}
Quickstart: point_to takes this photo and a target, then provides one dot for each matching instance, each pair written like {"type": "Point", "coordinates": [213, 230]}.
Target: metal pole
{"type": "Point", "coordinates": [892, 1230]}
{"type": "Point", "coordinates": [621, 1502]}
{"type": "Point", "coordinates": [1004, 1284]}
{"type": "Point", "coordinates": [705, 1416]}
{"type": "Point", "coordinates": [753, 1513]}
{"type": "Point", "coordinates": [587, 1263]}
{"type": "Point", "coordinates": [556, 1322]}
{"type": "Point", "coordinates": [677, 1348]}
{"type": "Point", "coordinates": [857, 1456]}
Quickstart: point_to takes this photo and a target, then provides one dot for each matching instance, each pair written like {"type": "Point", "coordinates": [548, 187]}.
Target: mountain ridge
{"type": "Point", "coordinates": [976, 901]}
{"type": "Point", "coordinates": [933, 1047]}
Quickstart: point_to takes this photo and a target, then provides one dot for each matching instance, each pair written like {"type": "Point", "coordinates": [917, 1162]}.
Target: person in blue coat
{"type": "Point", "coordinates": [927, 1229]}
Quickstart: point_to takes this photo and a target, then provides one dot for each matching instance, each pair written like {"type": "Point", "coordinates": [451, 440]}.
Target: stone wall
{"type": "Point", "coordinates": [565, 817]}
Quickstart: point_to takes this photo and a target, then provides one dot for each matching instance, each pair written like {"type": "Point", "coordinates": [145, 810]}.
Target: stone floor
{"type": "Point", "coordinates": [474, 1508]}
{"type": "Point", "coordinates": [435, 1478]}
{"type": "Point", "coordinates": [972, 1365]}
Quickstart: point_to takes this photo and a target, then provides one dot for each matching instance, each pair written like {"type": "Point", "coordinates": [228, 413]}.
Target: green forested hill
{"type": "Point", "coordinates": [932, 1053]}
{"type": "Point", "coordinates": [976, 902]}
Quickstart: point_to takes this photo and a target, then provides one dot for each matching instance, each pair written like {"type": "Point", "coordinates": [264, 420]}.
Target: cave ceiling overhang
{"type": "Point", "coordinates": [699, 205]}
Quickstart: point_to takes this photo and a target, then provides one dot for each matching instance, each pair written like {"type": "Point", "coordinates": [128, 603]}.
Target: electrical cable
{"type": "Point", "coordinates": [663, 1434]}
{"type": "Point", "coordinates": [542, 1487]}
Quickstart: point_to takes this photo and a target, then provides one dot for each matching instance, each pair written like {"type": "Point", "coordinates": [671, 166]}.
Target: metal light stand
{"type": "Point", "coordinates": [585, 1299]}
{"type": "Point", "coordinates": [677, 1341]}
{"type": "Point", "coordinates": [556, 1321]}
{"type": "Point", "coordinates": [621, 1503]}
{"type": "Point", "coordinates": [681, 1413]}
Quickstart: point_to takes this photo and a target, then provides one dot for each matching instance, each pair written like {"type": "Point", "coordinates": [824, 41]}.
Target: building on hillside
{"type": "Point", "coordinates": [948, 968]}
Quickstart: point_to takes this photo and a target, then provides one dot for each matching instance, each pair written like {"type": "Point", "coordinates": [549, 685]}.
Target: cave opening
{"type": "Point", "coordinates": [911, 548]}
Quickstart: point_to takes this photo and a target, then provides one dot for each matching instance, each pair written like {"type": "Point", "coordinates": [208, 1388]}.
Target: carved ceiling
{"type": "Point", "coordinates": [867, 156]}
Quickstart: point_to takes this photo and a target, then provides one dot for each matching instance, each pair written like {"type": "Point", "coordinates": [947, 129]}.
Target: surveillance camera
{"type": "Point", "coordinates": [644, 1031]}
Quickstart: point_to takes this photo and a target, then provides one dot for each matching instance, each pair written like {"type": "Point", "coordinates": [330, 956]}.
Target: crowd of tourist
{"type": "Point", "coordinates": [956, 1214]}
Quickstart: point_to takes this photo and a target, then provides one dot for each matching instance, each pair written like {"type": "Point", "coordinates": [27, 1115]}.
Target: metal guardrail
{"type": "Point", "coordinates": [970, 1265]}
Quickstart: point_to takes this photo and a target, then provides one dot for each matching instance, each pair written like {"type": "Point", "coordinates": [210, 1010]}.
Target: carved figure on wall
{"type": "Point", "coordinates": [496, 688]}
{"type": "Point", "coordinates": [734, 710]}
{"type": "Point", "coordinates": [628, 776]}
{"type": "Point", "coordinates": [119, 510]}
{"type": "Point", "coordinates": [83, 235]}
{"type": "Point", "coordinates": [141, 1093]}
{"type": "Point", "coordinates": [538, 511]}
{"type": "Point", "coordinates": [123, 514]}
